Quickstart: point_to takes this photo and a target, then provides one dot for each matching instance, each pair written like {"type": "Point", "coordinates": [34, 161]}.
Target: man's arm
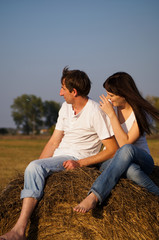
{"type": "Point", "coordinates": [52, 144]}
{"type": "Point", "coordinates": [111, 147]}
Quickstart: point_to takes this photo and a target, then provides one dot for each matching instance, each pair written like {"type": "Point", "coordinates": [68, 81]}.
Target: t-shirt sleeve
{"type": "Point", "coordinates": [102, 125]}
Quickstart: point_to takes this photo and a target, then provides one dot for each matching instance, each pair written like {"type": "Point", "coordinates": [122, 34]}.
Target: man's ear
{"type": "Point", "coordinates": [75, 92]}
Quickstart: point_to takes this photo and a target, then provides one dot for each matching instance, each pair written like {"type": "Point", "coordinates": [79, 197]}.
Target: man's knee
{"type": "Point", "coordinates": [32, 167]}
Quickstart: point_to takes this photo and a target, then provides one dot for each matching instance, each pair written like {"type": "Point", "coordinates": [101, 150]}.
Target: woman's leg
{"type": "Point", "coordinates": [103, 185]}
{"type": "Point", "coordinates": [140, 168]}
{"type": "Point", "coordinates": [124, 159]}
{"type": "Point", "coordinates": [137, 175]}
{"type": "Point", "coordinates": [118, 165]}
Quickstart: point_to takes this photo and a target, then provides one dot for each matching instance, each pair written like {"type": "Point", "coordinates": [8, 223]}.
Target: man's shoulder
{"type": "Point", "coordinates": [93, 103]}
{"type": "Point", "coordinates": [95, 110]}
{"type": "Point", "coordinates": [94, 106]}
{"type": "Point", "coordinates": [65, 109]}
{"type": "Point", "coordinates": [65, 105]}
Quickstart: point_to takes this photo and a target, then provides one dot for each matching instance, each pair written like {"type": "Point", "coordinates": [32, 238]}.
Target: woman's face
{"type": "Point", "coordinates": [116, 100]}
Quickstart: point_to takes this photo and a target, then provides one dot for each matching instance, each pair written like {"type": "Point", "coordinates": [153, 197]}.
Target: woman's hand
{"type": "Point", "coordinates": [106, 106]}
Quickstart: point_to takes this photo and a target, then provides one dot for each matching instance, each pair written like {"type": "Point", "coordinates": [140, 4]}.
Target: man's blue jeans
{"type": "Point", "coordinates": [131, 161]}
{"type": "Point", "coordinates": [36, 173]}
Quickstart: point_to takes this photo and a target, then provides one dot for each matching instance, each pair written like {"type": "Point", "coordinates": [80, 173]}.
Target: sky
{"type": "Point", "coordinates": [38, 38]}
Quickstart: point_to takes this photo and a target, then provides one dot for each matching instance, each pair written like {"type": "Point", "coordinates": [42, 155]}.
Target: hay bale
{"type": "Point", "coordinates": [129, 213]}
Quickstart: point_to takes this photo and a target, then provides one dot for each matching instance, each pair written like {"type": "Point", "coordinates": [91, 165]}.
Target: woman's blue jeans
{"type": "Point", "coordinates": [136, 164]}
{"type": "Point", "coordinates": [36, 173]}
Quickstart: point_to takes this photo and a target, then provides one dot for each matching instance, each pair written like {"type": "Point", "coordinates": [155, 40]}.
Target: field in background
{"type": "Point", "coordinates": [15, 154]}
{"type": "Point", "coordinates": [17, 151]}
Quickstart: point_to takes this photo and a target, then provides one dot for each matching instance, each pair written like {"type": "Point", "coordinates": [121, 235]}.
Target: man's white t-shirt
{"type": "Point", "coordinates": [82, 132]}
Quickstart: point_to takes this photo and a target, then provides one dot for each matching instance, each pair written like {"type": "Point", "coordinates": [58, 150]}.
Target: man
{"type": "Point", "coordinates": [80, 130]}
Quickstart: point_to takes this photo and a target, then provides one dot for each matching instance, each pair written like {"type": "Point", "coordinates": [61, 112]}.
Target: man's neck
{"type": "Point", "coordinates": [79, 104]}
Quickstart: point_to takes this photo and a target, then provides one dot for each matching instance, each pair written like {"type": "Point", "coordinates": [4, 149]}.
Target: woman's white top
{"type": "Point", "coordinates": [141, 142]}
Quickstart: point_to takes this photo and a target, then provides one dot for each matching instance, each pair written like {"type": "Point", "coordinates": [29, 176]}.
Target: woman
{"type": "Point", "coordinates": [129, 115]}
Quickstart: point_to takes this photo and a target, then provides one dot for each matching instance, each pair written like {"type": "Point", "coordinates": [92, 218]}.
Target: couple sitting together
{"type": "Point", "coordinates": [120, 122]}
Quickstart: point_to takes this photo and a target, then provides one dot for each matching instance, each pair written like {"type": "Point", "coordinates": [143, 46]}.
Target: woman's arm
{"type": "Point", "coordinates": [121, 136]}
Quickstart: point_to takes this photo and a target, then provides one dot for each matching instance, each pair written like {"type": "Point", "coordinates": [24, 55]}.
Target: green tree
{"type": "Point", "coordinates": [27, 113]}
{"type": "Point", "coordinates": [51, 109]}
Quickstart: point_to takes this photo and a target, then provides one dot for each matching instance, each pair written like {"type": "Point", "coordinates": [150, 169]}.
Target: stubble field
{"type": "Point", "coordinates": [130, 212]}
{"type": "Point", "coordinates": [17, 151]}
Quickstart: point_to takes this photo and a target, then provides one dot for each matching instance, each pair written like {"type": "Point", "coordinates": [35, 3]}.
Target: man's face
{"type": "Point", "coordinates": [68, 96]}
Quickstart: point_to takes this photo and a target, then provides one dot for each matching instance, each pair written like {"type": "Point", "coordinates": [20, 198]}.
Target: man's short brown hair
{"type": "Point", "coordinates": [76, 79]}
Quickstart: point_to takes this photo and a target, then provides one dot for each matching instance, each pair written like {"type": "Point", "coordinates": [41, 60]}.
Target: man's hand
{"type": "Point", "coordinates": [70, 164]}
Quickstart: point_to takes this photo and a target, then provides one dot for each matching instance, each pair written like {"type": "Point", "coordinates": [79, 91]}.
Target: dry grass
{"type": "Point", "coordinates": [129, 213]}
{"type": "Point", "coordinates": [17, 151]}
{"type": "Point", "coordinates": [154, 149]}
{"type": "Point", "coordinates": [15, 154]}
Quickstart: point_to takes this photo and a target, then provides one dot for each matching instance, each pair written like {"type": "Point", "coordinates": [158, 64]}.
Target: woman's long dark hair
{"type": "Point", "coordinates": [122, 84]}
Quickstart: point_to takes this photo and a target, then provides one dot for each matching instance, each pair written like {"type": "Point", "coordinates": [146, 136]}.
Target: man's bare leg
{"type": "Point", "coordinates": [87, 204]}
{"type": "Point", "coordinates": [18, 231]}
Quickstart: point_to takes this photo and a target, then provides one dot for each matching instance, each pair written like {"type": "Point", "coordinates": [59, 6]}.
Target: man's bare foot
{"type": "Point", "coordinates": [87, 204]}
{"type": "Point", "coordinates": [12, 235]}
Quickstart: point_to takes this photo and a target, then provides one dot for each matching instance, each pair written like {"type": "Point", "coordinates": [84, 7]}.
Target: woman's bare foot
{"type": "Point", "coordinates": [87, 204]}
{"type": "Point", "coordinates": [12, 235]}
